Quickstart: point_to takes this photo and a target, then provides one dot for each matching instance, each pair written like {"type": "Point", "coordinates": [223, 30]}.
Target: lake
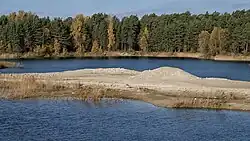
{"type": "Point", "coordinates": [63, 120]}
{"type": "Point", "coordinates": [201, 68]}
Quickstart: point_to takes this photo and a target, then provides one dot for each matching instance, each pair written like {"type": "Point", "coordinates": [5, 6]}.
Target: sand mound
{"type": "Point", "coordinates": [164, 73]}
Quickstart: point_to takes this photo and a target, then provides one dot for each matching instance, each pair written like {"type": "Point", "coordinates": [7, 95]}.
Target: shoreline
{"type": "Point", "coordinates": [236, 58]}
{"type": "Point", "coordinates": [163, 87]}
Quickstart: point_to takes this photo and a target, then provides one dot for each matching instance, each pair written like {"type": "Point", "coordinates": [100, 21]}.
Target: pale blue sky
{"type": "Point", "coordinates": [64, 8]}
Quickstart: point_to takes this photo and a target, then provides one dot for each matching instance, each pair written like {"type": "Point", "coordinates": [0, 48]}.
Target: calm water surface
{"type": "Point", "coordinates": [202, 68]}
{"type": "Point", "coordinates": [59, 120]}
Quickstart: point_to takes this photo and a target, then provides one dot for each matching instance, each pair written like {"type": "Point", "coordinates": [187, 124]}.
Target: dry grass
{"type": "Point", "coordinates": [177, 101]}
{"type": "Point", "coordinates": [4, 64]}
{"type": "Point", "coordinates": [29, 87]}
{"type": "Point", "coordinates": [199, 103]}
{"type": "Point", "coordinates": [215, 100]}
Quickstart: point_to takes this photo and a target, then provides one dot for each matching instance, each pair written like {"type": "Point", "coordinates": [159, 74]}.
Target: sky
{"type": "Point", "coordinates": [65, 8]}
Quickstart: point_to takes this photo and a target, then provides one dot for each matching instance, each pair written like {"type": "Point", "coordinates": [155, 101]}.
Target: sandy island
{"type": "Point", "coordinates": [165, 87]}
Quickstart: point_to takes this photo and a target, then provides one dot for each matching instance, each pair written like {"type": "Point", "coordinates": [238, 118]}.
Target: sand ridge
{"type": "Point", "coordinates": [164, 81]}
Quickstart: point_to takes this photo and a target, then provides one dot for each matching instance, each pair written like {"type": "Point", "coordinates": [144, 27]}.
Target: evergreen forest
{"type": "Point", "coordinates": [209, 33]}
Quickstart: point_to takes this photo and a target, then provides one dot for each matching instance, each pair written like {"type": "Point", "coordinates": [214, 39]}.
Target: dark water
{"type": "Point", "coordinates": [202, 68]}
{"type": "Point", "coordinates": [42, 120]}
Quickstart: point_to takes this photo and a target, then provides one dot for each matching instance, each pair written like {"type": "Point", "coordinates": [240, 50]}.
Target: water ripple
{"type": "Point", "coordinates": [62, 120]}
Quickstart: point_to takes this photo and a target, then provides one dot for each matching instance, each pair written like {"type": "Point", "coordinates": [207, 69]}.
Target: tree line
{"type": "Point", "coordinates": [209, 33]}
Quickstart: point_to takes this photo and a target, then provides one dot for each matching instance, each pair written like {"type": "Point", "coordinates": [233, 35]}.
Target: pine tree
{"type": "Point", "coordinates": [103, 35]}
{"type": "Point", "coordinates": [246, 40]}
{"type": "Point", "coordinates": [61, 33]}
{"type": "Point", "coordinates": [223, 41]}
